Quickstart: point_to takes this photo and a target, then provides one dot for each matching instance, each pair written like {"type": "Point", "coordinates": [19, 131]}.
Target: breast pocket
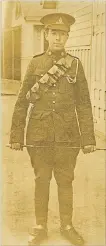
{"type": "Point", "coordinates": [38, 74]}
{"type": "Point", "coordinates": [65, 86]}
{"type": "Point", "coordinates": [68, 117]}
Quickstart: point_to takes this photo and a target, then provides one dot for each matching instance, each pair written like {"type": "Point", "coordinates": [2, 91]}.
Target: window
{"type": "Point", "coordinates": [94, 110]}
{"type": "Point", "coordinates": [100, 94]}
{"type": "Point", "coordinates": [17, 53]}
{"type": "Point", "coordinates": [7, 55]}
{"type": "Point", "coordinates": [11, 54]}
{"type": "Point", "coordinates": [95, 93]}
{"type": "Point", "coordinates": [48, 4]}
{"type": "Point", "coordinates": [99, 112]}
{"type": "Point", "coordinates": [18, 9]}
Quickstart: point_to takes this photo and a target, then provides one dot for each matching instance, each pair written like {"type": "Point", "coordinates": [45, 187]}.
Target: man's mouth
{"type": "Point", "coordinates": [57, 44]}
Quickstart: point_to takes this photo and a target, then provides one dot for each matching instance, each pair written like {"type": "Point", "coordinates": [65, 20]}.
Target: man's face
{"type": "Point", "coordinates": [56, 39]}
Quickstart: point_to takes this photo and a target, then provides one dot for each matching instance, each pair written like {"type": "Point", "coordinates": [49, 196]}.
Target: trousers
{"type": "Point", "coordinates": [61, 161]}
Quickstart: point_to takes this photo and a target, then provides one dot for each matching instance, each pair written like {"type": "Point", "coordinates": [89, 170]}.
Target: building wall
{"type": "Point", "coordinates": [80, 38]}
{"type": "Point", "coordinates": [24, 43]}
{"type": "Point", "coordinates": [11, 48]}
{"type": "Point", "coordinates": [98, 83]}
{"type": "Point", "coordinates": [32, 35]}
{"type": "Point", "coordinates": [81, 31]}
{"type": "Point", "coordinates": [87, 41]}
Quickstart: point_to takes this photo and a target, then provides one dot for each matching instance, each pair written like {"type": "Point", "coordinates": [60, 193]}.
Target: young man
{"type": "Point", "coordinates": [60, 123]}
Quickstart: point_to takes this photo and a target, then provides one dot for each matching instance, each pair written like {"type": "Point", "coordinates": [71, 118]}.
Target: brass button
{"type": "Point", "coordinates": [54, 93]}
{"type": "Point", "coordinates": [54, 62]}
{"type": "Point", "coordinates": [49, 53]}
{"type": "Point", "coordinates": [62, 53]}
{"type": "Point", "coordinates": [54, 85]}
{"type": "Point", "coordinates": [54, 102]}
{"type": "Point", "coordinates": [53, 110]}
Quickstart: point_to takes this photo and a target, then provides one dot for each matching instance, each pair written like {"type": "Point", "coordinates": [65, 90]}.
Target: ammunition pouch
{"type": "Point", "coordinates": [52, 77]}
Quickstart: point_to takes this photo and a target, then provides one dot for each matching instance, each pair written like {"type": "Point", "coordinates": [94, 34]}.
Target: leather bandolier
{"type": "Point", "coordinates": [52, 76]}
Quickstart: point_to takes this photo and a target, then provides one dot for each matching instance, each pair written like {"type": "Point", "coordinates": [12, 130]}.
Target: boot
{"type": "Point", "coordinates": [72, 235]}
{"type": "Point", "coordinates": [38, 235]}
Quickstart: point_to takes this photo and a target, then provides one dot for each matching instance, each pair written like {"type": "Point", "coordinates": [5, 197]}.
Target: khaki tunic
{"type": "Point", "coordinates": [63, 113]}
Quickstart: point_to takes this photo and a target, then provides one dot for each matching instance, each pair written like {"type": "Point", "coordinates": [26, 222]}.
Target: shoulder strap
{"type": "Point", "coordinates": [76, 70]}
{"type": "Point", "coordinates": [77, 62]}
{"type": "Point", "coordinates": [69, 78]}
{"type": "Point", "coordinates": [37, 55]}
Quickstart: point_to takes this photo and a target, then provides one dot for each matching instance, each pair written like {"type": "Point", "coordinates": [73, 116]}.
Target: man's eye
{"type": "Point", "coordinates": [54, 33]}
{"type": "Point", "coordinates": [63, 33]}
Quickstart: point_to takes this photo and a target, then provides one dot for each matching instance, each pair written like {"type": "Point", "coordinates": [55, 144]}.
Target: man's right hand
{"type": "Point", "coordinates": [16, 146]}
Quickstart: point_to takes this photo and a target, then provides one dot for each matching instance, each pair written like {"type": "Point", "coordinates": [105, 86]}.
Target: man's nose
{"type": "Point", "coordinates": [58, 36]}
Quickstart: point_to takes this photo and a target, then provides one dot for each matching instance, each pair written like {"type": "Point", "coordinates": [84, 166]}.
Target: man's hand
{"type": "Point", "coordinates": [88, 149]}
{"type": "Point", "coordinates": [16, 146]}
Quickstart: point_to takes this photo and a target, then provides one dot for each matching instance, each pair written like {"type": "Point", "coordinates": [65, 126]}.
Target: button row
{"type": "Point", "coordinates": [54, 101]}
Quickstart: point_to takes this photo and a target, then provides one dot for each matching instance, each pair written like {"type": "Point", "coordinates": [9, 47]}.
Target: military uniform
{"type": "Point", "coordinates": [59, 120]}
{"type": "Point", "coordinates": [56, 115]}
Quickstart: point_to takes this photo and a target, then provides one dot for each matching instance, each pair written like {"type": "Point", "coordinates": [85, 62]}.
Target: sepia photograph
{"type": "Point", "coordinates": [53, 117]}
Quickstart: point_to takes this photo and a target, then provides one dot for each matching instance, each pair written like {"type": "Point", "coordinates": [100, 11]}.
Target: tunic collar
{"type": "Point", "coordinates": [60, 54]}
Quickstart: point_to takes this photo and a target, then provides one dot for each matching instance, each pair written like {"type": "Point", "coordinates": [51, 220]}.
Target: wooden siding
{"type": "Point", "coordinates": [80, 37]}
{"type": "Point", "coordinates": [80, 32]}
{"type": "Point", "coordinates": [87, 41]}
{"type": "Point", "coordinates": [98, 65]}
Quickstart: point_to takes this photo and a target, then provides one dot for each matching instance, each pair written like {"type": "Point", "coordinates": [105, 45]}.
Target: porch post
{"type": "Point", "coordinates": [26, 47]}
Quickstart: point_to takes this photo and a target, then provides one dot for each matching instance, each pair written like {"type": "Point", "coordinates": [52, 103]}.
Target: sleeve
{"type": "Point", "coordinates": [83, 108]}
{"type": "Point", "coordinates": [21, 107]}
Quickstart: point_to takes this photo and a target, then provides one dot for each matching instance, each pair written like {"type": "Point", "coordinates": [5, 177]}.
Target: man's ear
{"type": "Point", "coordinates": [68, 35]}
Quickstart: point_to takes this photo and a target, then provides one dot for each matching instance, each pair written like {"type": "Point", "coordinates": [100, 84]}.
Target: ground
{"type": "Point", "coordinates": [18, 193]}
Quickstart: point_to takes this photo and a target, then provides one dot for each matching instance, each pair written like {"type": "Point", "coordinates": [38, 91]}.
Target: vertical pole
{"type": "Point", "coordinates": [42, 39]}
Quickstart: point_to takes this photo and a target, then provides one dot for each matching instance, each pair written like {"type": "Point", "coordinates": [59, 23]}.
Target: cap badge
{"type": "Point", "coordinates": [60, 21]}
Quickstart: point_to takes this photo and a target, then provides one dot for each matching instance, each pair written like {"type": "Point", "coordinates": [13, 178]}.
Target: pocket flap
{"type": "Point", "coordinates": [39, 72]}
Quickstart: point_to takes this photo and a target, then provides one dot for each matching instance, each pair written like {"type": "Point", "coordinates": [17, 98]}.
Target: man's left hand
{"type": "Point", "coordinates": [88, 149]}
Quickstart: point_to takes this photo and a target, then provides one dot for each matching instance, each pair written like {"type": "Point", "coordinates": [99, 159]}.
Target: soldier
{"type": "Point", "coordinates": [60, 123]}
